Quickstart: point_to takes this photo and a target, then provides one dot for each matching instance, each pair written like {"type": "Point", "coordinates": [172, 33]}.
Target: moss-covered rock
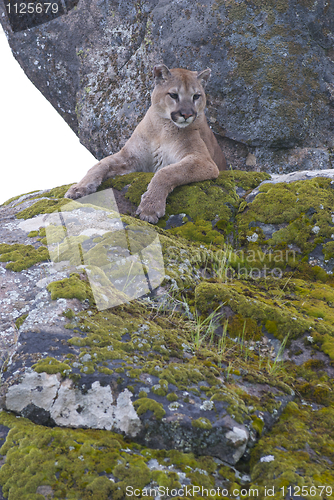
{"type": "Point", "coordinates": [75, 286]}
{"type": "Point", "coordinates": [21, 257]}
{"type": "Point", "coordinates": [240, 327]}
{"type": "Point", "coordinates": [93, 463]}
{"type": "Point", "coordinates": [290, 464]}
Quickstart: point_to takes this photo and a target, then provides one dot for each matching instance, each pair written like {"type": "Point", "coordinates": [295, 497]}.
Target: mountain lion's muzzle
{"type": "Point", "coordinates": [183, 117]}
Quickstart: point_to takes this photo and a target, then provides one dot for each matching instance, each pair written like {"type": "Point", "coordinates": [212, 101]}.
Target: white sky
{"type": "Point", "coordinates": [28, 158]}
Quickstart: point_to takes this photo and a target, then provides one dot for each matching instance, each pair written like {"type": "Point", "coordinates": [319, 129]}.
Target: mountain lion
{"type": "Point", "coordinates": [173, 140]}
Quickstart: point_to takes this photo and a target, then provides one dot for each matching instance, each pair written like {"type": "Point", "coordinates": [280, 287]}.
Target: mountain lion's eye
{"type": "Point", "coordinates": [196, 96]}
{"type": "Point", "coordinates": [174, 96]}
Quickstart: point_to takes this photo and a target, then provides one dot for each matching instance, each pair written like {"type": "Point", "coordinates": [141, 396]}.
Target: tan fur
{"type": "Point", "coordinates": [173, 140]}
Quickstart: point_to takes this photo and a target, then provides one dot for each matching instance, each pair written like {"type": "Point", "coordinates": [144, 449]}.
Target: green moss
{"type": "Point", "coordinates": [227, 472]}
{"type": "Point", "coordinates": [42, 207]}
{"type": "Point", "coordinates": [103, 339]}
{"type": "Point", "coordinates": [106, 371]}
{"type": "Point", "coordinates": [20, 320]}
{"type": "Point", "coordinates": [247, 328]}
{"type": "Point", "coordinates": [75, 463]}
{"type": "Point", "coordinates": [69, 249]}
{"type": "Point", "coordinates": [319, 393]}
{"type": "Point", "coordinates": [206, 201]}
{"type": "Point", "coordinates": [200, 231]}
{"type": "Point", "coordinates": [313, 364]}
{"type": "Point", "coordinates": [140, 237]}
{"type": "Point", "coordinates": [69, 314]}
{"type": "Point", "coordinates": [22, 256]}
{"type": "Point", "coordinates": [258, 424]}
{"type": "Point", "coordinates": [142, 394]}
{"type": "Point", "coordinates": [291, 307]}
{"type": "Point", "coordinates": [146, 404]}
{"type": "Point", "coordinates": [183, 375]}
{"type": "Point", "coordinates": [137, 182]}
{"type": "Point", "coordinates": [244, 180]}
{"type": "Point", "coordinates": [172, 397]}
{"type": "Point", "coordinates": [271, 327]}
{"type": "Point", "coordinates": [161, 389]}
{"type": "Point", "coordinates": [202, 423]}
{"type": "Point", "coordinates": [233, 399]}
{"type": "Point", "coordinates": [88, 368]}
{"type": "Point", "coordinates": [69, 288]}
{"type": "Point", "coordinates": [201, 201]}
{"type": "Point", "coordinates": [33, 234]}
{"type": "Point", "coordinates": [327, 344]}
{"type": "Point", "coordinates": [57, 192]}
{"type": "Point", "coordinates": [294, 464]}
{"type": "Point", "coordinates": [328, 250]}
{"type": "Point", "coordinates": [302, 205]}
{"type": "Point", "coordinates": [51, 365]}
{"type": "Point", "coordinates": [170, 480]}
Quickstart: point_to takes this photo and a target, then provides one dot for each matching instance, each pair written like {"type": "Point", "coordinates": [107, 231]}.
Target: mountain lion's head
{"type": "Point", "coordinates": [179, 94]}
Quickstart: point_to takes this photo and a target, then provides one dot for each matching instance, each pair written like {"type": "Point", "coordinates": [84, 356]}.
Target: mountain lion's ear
{"type": "Point", "coordinates": [204, 76]}
{"type": "Point", "coordinates": [161, 73]}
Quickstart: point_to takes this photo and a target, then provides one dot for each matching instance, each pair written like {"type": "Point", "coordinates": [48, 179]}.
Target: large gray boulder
{"type": "Point", "coordinates": [271, 92]}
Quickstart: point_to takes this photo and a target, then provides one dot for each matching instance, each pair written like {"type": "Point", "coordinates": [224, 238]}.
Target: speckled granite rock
{"type": "Point", "coordinates": [271, 92]}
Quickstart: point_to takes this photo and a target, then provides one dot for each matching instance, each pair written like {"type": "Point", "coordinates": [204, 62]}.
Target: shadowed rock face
{"type": "Point", "coordinates": [271, 91]}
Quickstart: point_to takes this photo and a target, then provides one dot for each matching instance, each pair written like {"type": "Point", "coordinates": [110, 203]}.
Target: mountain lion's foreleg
{"type": "Point", "coordinates": [189, 169]}
{"type": "Point", "coordinates": [118, 164]}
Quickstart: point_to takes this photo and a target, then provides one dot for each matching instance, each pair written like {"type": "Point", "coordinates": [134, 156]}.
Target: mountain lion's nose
{"type": "Point", "coordinates": [186, 115]}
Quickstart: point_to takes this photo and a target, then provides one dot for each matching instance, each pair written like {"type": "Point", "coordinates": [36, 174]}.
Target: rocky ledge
{"type": "Point", "coordinates": [181, 355]}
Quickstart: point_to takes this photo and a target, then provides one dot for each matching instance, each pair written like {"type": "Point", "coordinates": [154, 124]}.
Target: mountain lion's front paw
{"type": "Point", "coordinates": [78, 191]}
{"type": "Point", "coordinates": [151, 209]}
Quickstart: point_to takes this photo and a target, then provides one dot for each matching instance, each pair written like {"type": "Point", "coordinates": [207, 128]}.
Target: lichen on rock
{"type": "Point", "coordinates": [232, 351]}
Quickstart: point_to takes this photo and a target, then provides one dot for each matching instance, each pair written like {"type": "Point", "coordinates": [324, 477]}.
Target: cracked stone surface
{"type": "Point", "coordinates": [66, 406]}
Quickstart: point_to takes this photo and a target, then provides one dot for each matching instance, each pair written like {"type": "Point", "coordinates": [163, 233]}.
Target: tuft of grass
{"type": "Point", "coordinates": [222, 344]}
{"type": "Point", "coordinates": [203, 329]}
{"type": "Point", "coordinates": [276, 366]}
